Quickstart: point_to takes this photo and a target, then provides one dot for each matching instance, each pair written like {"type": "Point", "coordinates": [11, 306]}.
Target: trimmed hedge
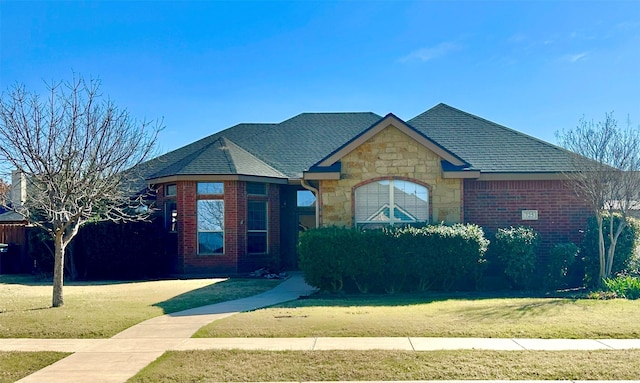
{"type": "Point", "coordinates": [432, 257]}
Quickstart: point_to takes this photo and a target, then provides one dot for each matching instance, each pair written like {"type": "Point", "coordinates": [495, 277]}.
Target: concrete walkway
{"type": "Point", "coordinates": [117, 359]}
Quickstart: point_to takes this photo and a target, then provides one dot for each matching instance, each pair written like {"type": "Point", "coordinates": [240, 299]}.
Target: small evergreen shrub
{"type": "Point", "coordinates": [625, 257]}
{"type": "Point", "coordinates": [561, 257]}
{"type": "Point", "coordinates": [624, 286]}
{"type": "Point", "coordinates": [516, 248]}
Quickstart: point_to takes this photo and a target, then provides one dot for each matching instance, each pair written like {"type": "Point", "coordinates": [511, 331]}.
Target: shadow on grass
{"type": "Point", "coordinates": [409, 299]}
{"type": "Point", "coordinates": [44, 280]}
{"type": "Point", "coordinates": [227, 290]}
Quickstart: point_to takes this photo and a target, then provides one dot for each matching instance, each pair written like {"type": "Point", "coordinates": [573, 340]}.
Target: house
{"type": "Point", "coordinates": [235, 201]}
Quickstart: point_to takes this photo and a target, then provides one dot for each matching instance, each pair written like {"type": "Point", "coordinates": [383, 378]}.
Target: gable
{"type": "Point", "coordinates": [330, 166]}
{"type": "Point", "coordinates": [390, 121]}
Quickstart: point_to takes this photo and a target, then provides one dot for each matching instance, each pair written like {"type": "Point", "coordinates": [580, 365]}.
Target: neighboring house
{"type": "Point", "coordinates": [13, 233]}
{"type": "Point", "coordinates": [235, 200]}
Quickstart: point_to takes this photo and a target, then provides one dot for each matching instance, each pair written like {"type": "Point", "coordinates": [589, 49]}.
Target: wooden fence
{"type": "Point", "coordinates": [15, 260]}
{"type": "Point", "coordinates": [13, 234]}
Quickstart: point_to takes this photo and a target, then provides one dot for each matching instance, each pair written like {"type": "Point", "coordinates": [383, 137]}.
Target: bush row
{"type": "Point", "coordinates": [432, 257]}
{"type": "Point", "coordinates": [453, 257]}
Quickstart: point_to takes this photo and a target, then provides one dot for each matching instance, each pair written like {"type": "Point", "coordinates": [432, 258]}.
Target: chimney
{"type": "Point", "coordinates": [18, 194]}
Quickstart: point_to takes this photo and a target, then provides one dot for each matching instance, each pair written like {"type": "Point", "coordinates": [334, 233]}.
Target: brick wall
{"type": "Point", "coordinates": [494, 204]}
{"type": "Point", "coordinates": [234, 259]}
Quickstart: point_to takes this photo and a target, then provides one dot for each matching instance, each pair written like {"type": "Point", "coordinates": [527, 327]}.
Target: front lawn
{"type": "Point", "coordinates": [296, 366]}
{"type": "Point", "coordinates": [103, 309]}
{"type": "Point", "coordinates": [435, 316]}
{"type": "Point", "coordinates": [17, 365]}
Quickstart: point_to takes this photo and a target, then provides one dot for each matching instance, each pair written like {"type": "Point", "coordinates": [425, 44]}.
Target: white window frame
{"type": "Point", "coordinates": [389, 204]}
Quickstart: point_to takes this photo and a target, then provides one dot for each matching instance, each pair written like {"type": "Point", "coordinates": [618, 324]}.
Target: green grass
{"type": "Point", "coordinates": [102, 309]}
{"type": "Point", "coordinates": [288, 366]}
{"type": "Point", "coordinates": [17, 365]}
{"type": "Point", "coordinates": [436, 316]}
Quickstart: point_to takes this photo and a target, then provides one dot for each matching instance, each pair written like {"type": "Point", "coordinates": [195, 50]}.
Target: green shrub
{"type": "Point", "coordinates": [516, 248]}
{"type": "Point", "coordinates": [625, 256]}
{"type": "Point", "coordinates": [365, 258]}
{"type": "Point", "coordinates": [624, 286]}
{"type": "Point", "coordinates": [561, 257]}
{"type": "Point", "coordinates": [322, 257]}
{"type": "Point", "coordinates": [438, 257]}
{"type": "Point", "coordinates": [443, 257]}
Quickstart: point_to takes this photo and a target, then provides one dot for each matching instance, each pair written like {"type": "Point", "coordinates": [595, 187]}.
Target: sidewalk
{"type": "Point", "coordinates": [157, 343]}
{"type": "Point", "coordinates": [117, 359]}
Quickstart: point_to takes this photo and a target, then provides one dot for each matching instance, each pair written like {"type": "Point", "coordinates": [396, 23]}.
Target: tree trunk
{"type": "Point", "coordinates": [601, 254]}
{"type": "Point", "coordinates": [612, 245]}
{"type": "Point", "coordinates": [58, 270]}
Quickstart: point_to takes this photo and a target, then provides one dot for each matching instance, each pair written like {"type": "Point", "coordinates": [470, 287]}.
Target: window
{"type": "Point", "coordinates": [170, 190]}
{"type": "Point", "coordinates": [254, 188]}
{"type": "Point", "coordinates": [390, 202]}
{"type": "Point", "coordinates": [257, 227]}
{"type": "Point", "coordinates": [208, 188]}
{"type": "Point", "coordinates": [171, 215]}
{"type": "Point", "coordinates": [210, 226]}
{"type": "Point", "coordinates": [306, 198]}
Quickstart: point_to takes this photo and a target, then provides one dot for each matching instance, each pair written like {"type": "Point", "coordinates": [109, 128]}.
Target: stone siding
{"type": "Point", "coordinates": [390, 154]}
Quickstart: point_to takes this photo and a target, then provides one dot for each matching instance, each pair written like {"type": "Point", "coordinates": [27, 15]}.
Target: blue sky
{"type": "Point", "coordinates": [536, 67]}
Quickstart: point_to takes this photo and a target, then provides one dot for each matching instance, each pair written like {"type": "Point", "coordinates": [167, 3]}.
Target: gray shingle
{"type": "Point", "coordinates": [490, 147]}
{"type": "Point", "coordinates": [287, 149]}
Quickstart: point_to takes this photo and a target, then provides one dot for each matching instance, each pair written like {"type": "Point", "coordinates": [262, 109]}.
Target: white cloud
{"type": "Point", "coordinates": [576, 57]}
{"type": "Point", "coordinates": [428, 54]}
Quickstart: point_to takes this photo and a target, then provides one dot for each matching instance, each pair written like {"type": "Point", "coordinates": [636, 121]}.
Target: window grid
{"type": "Point", "coordinates": [390, 202]}
{"type": "Point", "coordinates": [257, 227]}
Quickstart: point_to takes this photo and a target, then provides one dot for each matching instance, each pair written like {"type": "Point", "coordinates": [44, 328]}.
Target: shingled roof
{"type": "Point", "coordinates": [287, 149]}
{"type": "Point", "coordinates": [490, 147]}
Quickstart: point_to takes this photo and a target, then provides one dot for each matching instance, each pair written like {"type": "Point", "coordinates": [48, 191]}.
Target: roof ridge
{"type": "Point", "coordinates": [184, 161]}
{"type": "Point", "coordinates": [230, 142]}
{"type": "Point", "coordinates": [326, 114]}
{"type": "Point", "coordinates": [225, 143]}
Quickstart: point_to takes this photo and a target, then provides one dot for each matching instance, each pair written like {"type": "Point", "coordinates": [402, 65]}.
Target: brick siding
{"type": "Point", "coordinates": [494, 204]}
{"type": "Point", "coordinates": [235, 259]}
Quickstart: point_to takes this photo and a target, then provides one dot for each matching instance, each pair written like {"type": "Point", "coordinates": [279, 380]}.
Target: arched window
{"type": "Point", "coordinates": [389, 202]}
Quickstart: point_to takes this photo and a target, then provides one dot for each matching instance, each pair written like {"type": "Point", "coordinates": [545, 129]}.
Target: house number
{"type": "Point", "coordinates": [529, 215]}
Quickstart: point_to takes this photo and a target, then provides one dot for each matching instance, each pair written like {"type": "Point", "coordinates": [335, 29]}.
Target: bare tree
{"type": "Point", "coordinates": [75, 149]}
{"type": "Point", "coordinates": [606, 176]}
{"type": "Point", "coordinates": [5, 189]}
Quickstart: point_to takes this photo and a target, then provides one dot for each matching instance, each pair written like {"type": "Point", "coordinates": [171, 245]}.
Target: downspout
{"type": "Point", "coordinates": [313, 190]}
